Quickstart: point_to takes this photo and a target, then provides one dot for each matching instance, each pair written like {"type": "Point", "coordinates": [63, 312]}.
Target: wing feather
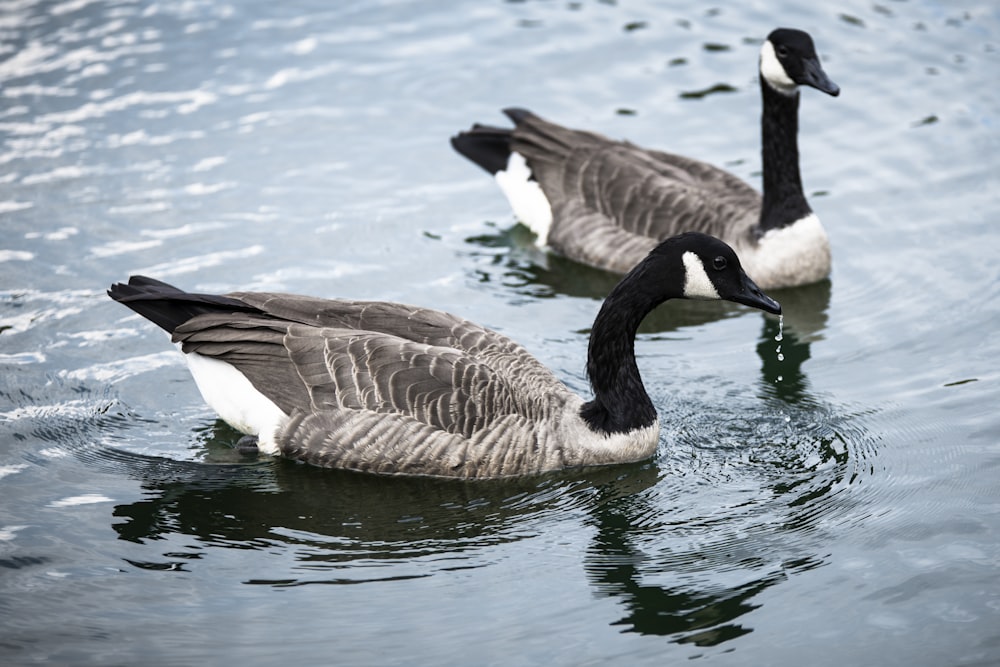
{"type": "Point", "coordinates": [428, 391]}
{"type": "Point", "coordinates": [447, 389]}
{"type": "Point", "coordinates": [425, 393]}
{"type": "Point", "coordinates": [394, 443]}
{"type": "Point", "coordinates": [619, 186]}
{"type": "Point", "coordinates": [419, 325]}
{"type": "Point", "coordinates": [252, 344]}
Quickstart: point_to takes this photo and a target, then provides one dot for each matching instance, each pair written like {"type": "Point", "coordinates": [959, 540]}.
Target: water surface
{"type": "Point", "coordinates": [836, 503]}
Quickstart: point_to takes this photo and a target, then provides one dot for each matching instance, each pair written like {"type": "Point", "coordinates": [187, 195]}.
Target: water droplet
{"type": "Point", "coordinates": [781, 328]}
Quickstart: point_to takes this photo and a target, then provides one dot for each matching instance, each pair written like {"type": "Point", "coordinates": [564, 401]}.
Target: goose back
{"type": "Point", "coordinates": [382, 387]}
{"type": "Point", "coordinates": [606, 203]}
{"type": "Point", "coordinates": [649, 193]}
{"type": "Point", "coordinates": [391, 388]}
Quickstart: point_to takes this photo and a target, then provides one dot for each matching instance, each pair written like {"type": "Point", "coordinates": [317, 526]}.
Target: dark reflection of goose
{"type": "Point", "coordinates": [345, 528]}
{"type": "Point", "coordinates": [527, 271]}
{"type": "Point", "coordinates": [631, 555]}
{"type": "Point", "coordinates": [523, 269]}
{"type": "Point", "coordinates": [804, 323]}
{"type": "Point", "coordinates": [701, 617]}
{"type": "Point", "coordinates": [334, 518]}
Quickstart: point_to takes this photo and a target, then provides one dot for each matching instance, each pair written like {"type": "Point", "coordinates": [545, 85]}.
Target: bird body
{"type": "Point", "coordinates": [395, 389]}
{"type": "Point", "coordinates": [607, 203]}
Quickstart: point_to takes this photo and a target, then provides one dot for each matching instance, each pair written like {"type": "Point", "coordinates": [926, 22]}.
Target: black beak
{"type": "Point", "coordinates": [751, 295]}
{"type": "Point", "coordinates": [813, 75]}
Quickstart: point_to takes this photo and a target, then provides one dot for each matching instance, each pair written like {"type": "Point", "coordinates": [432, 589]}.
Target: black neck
{"type": "Point", "coordinates": [620, 403]}
{"type": "Point", "coordinates": [784, 201]}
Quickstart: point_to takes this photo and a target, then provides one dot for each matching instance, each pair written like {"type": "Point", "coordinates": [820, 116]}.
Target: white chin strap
{"type": "Point", "coordinates": [774, 72]}
{"type": "Point", "coordinates": [697, 284]}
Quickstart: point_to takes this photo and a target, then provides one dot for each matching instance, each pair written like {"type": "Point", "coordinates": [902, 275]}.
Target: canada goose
{"type": "Point", "coordinates": [608, 203]}
{"type": "Point", "coordinates": [388, 388]}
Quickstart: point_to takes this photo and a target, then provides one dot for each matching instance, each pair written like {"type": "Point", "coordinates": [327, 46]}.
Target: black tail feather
{"type": "Point", "coordinates": [167, 306]}
{"type": "Point", "coordinates": [517, 114]}
{"type": "Point", "coordinates": [489, 147]}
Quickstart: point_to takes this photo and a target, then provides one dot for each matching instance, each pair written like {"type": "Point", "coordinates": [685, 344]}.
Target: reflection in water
{"type": "Point", "coordinates": [701, 617]}
{"type": "Point", "coordinates": [679, 569]}
{"type": "Point", "coordinates": [711, 578]}
{"type": "Point", "coordinates": [334, 519]}
{"type": "Point", "coordinates": [510, 259]}
{"type": "Point", "coordinates": [805, 311]}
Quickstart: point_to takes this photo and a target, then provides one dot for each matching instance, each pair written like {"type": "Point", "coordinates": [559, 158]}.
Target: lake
{"type": "Point", "coordinates": [831, 498]}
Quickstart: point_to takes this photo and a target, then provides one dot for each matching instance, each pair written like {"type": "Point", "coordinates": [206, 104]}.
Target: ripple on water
{"type": "Point", "coordinates": [732, 505]}
{"type": "Point", "coordinates": [60, 419]}
{"type": "Point", "coordinates": [336, 527]}
{"type": "Point", "coordinates": [741, 501]}
{"type": "Point", "coordinates": [782, 462]}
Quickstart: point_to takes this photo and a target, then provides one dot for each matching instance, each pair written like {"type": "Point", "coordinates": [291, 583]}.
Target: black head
{"type": "Point", "coordinates": [687, 266]}
{"type": "Point", "coordinates": [788, 59]}
{"type": "Point", "coordinates": [712, 271]}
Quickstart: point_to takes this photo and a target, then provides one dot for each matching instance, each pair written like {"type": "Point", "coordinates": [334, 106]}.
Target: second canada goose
{"type": "Point", "coordinates": [607, 203]}
{"type": "Point", "coordinates": [388, 388]}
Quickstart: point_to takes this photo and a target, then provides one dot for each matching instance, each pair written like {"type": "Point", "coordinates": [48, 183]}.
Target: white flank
{"type": "Point", "coordinates": [773, 71]}
{"type": "Point", "coordinates": [236, 400]}
{"type": "Point", "coordinates": [796, 254]}
{"type": "Point", "coordinates": [697, 284]}
{"type": "Point", "coordinates": [529, 203]}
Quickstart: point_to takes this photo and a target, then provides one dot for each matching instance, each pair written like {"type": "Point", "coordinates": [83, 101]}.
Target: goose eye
{"type": "Point", "coordinates": [719, 263]}
{"type": "Point", "coordinates": [782, 50]}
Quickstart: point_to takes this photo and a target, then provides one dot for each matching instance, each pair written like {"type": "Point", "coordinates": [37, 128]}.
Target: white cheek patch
{"type": "Point", "coordinates": [529, 203]}
{"type": "Point", "coordinates": [773, 71]}
{"type": "Point", "coordinates": [697, 284]}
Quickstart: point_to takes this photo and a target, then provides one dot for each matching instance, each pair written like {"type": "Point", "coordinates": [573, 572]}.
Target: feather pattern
{"type": "Point", "coordinates": [654, 195]}
{"type": "Point", "coordinates": [611, 201]}
{"type": "Point", "coordinates": [395, 389]}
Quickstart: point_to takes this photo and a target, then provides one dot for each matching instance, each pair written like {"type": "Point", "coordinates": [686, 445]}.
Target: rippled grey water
{"type": "Point", "coordinates": [836, 504]}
